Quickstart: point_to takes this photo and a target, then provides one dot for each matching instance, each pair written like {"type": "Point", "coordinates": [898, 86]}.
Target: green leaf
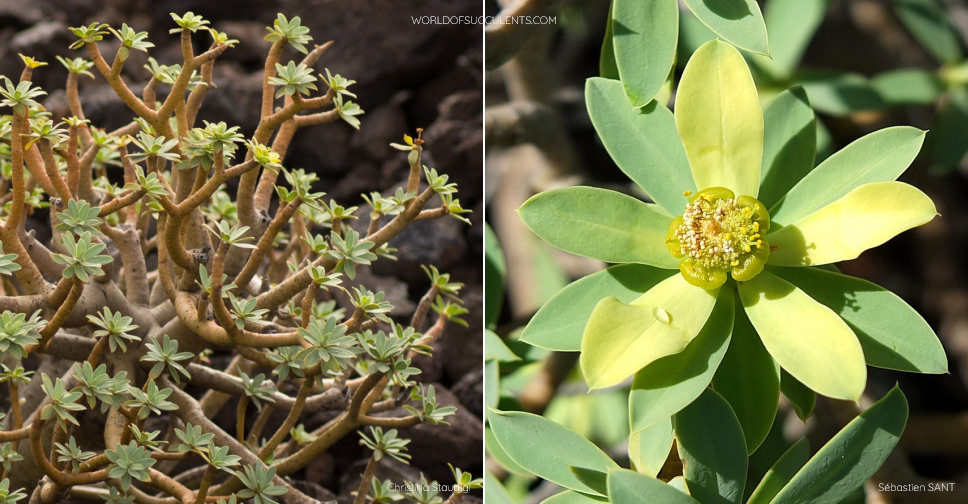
{"type": "Point", "coordinates": [789, 144]}
{"type": "Point", "coordinates": [643, 143]}
{"type": "Point", "coordinates": [649, 448]}
{"type": "Point", "coordinates": [292, 78]}
{"type": "Point", "coordinates": [492, 383]}
{"type": "Point", "coordinates": [930, 25]}
{"type": "Point", "coordinates": [908, 86]}
{"type": "Point", "coordinates": [644, 37]}
{"type": "Point", "coordinates": [840, 93]}
{"type": "Point", "coordinates": [865, 218]}
{"type": "Point", "coordinates": [258, 482]}
{"type": "Point", "coordinates": [385, 443]}
{"type": "Point", "coordinates": [664, 387]}
{"type": "Point", "coordinates": [946, 139]}
{"type": "Point", "coordinates": [713, 452]}
{"type": "Point", "coordinates": [600, 223]}
{"type": "Point", "coordinates": [607, 67]}
{"type": "Point", "coordinates": [547, 449]}
{"type": "Point", "coordinates": [805, 337]}
{"type": "Point", "coordinates": [602, 417]}
{"type": "Point", "coordinates": [495, 450]}
{"type": "Point", "coordinates": [892, 334]}
{"type": "Point", "coordinates": [692, 34]}
{"type": "Point", "coordinates": [621, 339]}
{"type": "Point", "coordinates": [719, 118]}
{"type": "Point", "coordinates": [825, 142]}
{"type": "Point", "coordinates": [628, 487]}
{"type": "Point", "coordinates": [800, 396]}
{"type": "Point", "coordinates": [494, 348]}
{"type": "Point", "coordinates": [190, 21]}
{"type": "Point", "coordinates": [852, 456]}
{"type": "Point", "coordinates": [496, 493]}
{"type": "Point", "coordinates": [594, 479]}
{"type": "Point", "coordinates": [781, 472]}
{"type": "Point", "coordinates": [290, 30]}
{"type": "Point", "coordinates": [568, 497]}
{"type": "Point", "coordinates": [494, 271]}
{"type": "Point", "coordinates": [796, 21]}
{"type": "Point", "coordinates": [876, 157]}
{"type": "Point", "coordinates": [129, 462]}
{"type": "Point", "coordinates": [559, 324]}
{"type": "Point", "coordinates": [8, 264]}
{"type": "Point", "coordinates": [749, 380]}
{"type": "Point", "coordinates": [738, 21]}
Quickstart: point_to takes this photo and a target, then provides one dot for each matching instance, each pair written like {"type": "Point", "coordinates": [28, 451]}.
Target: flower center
{"type": "Point", "coordinates": [714, 232]}
{"type": "Point", "coordinates": [720, 233]}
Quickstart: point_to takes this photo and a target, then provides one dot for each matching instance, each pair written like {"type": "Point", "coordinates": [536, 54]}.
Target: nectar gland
{"type": "Point", "coordinates": [720, 233]}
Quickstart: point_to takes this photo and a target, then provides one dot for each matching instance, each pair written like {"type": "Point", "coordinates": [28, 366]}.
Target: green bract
{"type": "Point", "coordinates": [731, 239]}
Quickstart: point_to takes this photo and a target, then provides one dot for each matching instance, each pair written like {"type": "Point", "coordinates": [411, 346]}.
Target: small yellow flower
{"type": "Point", "coordinates": [718, 234]}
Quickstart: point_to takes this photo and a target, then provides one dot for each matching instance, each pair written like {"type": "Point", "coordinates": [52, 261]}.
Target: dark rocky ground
{"type": "Point", "coordinates": [408, 76]}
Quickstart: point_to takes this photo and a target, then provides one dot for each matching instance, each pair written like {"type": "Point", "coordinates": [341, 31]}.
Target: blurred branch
{"type": "Point", "coordinates": [937, 434]}
{"type": "Point", "coordinates": [504, 39]}
{"type": "Point", "coordinates": [524, 121]}
{"type": "Point", "coordinates": [538, 393]}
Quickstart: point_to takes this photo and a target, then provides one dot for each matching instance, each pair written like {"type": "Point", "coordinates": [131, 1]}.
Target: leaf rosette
{"type": "Point", "coordinates": [745, 226]}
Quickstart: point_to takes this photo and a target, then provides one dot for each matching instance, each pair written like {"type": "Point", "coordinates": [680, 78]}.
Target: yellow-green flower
{"type": "Point", "coordinates": [720, 234]}
{"type": "Point", "coordinates": [735, 214]}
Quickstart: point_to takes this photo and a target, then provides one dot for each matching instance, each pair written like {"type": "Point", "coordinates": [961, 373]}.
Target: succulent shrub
{"type": "Point", "coordinates": [725, 292]}
{"type": "Point", "coordinates": [175, 241]}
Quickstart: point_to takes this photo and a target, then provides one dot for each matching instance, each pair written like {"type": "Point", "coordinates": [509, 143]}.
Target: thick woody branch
{"type": "Point", "coordinates": [265, 242]}
{"type": "Point", "coordinates": [191, 412]}
{"type": "Point", "coordinates": [119, 87]}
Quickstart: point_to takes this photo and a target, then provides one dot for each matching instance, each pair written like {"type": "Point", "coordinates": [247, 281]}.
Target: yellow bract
{"type": "Point", "coordinates": [806, 338]}
{"type": "Point", "coordinates": [621, 338]}
{"type": "Point", "coordinates": [719, 118]}
{"type": "Point", "coordinates": [866, 217]}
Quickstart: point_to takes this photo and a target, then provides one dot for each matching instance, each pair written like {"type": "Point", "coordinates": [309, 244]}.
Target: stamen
{"type": "Point", "coordinates": [716, 231]}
